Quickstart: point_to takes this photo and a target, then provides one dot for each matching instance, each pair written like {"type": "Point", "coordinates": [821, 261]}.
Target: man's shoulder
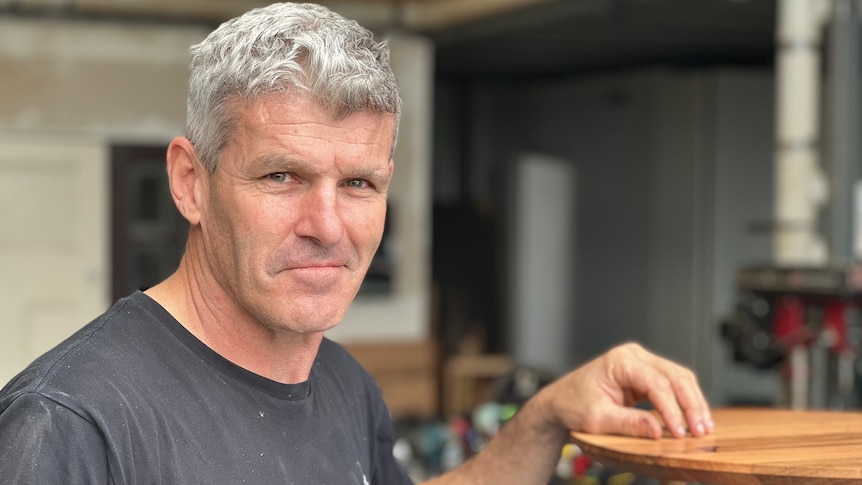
{"type": "Point", "coordinates": [83, 359]}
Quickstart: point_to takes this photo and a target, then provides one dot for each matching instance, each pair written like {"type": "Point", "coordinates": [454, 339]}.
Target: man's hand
{"type": "Point", "coordinates": [598, 397]}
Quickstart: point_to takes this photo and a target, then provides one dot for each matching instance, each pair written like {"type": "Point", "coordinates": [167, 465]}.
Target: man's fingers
{"type": "Point", "coordinates": [693, 404]}
{"type": "Point", "coordinates": [632, 422]}
{"type": "Point", "coordinates": [673, 391]}
{"type": "Point", "coordinates": [689, 399]}
{"type": "Point", "coordinates": [663, 397]}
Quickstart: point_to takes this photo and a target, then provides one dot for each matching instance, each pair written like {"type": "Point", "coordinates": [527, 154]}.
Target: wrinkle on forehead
{"type": "Point", "coordinates": [268, 113]}
{"type": "Point", "coordinates": [303, 129]}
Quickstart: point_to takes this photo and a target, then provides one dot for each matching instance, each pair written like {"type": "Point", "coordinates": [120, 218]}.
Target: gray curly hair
{"type": "Point", "coordinates": [280, 49]}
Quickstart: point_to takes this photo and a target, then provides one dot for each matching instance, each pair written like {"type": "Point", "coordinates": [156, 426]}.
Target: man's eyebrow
{"type": "Point", "coordinates": [284, 163]}
{"type": "Point", "coordinates": [280, 162]}
{"type": "Point", "coordinates": [374, 172]}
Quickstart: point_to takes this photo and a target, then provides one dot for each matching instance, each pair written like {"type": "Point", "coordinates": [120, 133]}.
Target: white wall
{"type": "Point", "coordinates": [95, 79]}
{"type": "Point", "coordinates": [542, 292]}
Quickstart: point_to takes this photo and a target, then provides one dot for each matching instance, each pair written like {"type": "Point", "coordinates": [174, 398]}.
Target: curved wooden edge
{"type": "Point", "coordinates": [750, 446]}
{"type": "Point", "coordinates": [666, 468]}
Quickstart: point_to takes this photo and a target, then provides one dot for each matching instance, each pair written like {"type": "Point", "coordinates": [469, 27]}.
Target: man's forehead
{"type": "Point", "coordinates": [302, 109]}
{"type": "Point", "coordinates": [301, 102]}
{"type": "Point", "coordinates": [299, 123]}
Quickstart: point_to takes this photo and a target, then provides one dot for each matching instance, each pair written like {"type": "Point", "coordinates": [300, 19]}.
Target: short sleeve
{"type": "Point", "coordinates": [44, 442]}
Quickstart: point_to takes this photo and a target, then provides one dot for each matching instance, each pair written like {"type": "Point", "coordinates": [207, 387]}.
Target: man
{"type": "Point", "coordinates": [221, 374]}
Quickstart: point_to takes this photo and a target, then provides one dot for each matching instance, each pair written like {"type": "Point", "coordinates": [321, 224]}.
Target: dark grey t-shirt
{"type": "Point", "coordinates": [134, 398]}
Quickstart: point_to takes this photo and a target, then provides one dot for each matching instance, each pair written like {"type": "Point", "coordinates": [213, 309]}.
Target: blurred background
{"type": "Point", "coordinates": [570, 175]}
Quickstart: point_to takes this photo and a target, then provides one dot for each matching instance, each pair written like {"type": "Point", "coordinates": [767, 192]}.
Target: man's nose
{"type": "Point", "coordinates": [320, 218]}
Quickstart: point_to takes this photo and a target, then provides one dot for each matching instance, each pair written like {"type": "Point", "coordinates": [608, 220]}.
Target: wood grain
{"type": "Point", "coordinates": [749, 446]}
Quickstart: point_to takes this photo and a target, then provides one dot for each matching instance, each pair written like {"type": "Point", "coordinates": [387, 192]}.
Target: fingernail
{"type": "Point", "coordinates": [680, 430]}
{"type": "Point", "coordinates": [710, 424]}
{"type": "Point", "coordinates": [699, 428]}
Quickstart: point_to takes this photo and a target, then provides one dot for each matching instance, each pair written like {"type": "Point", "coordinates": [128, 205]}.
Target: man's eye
{"type": "Point", "coordinates": [357, 183]}
{"type": "Point", "coordinates": [278, 177]}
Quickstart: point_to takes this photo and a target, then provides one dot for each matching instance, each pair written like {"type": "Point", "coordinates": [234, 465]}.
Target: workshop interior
{"type": "Point", "coordinates": [570, 175]}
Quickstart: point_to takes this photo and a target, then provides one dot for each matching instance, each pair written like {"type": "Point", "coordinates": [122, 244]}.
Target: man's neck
{"type": "Point", "coordinates": [279, 355]}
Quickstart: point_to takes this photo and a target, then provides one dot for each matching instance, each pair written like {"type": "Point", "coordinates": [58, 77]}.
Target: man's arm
{"type": "Point", "coordinates": [597, 398]}
{"type": "Point", "coordinates": [44, 442]}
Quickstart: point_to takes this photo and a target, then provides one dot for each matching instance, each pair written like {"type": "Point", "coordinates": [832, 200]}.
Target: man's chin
{"type": "Point", "coordinates": [316, 321]}
{"type": "Point", "coordinates": [307, 312]}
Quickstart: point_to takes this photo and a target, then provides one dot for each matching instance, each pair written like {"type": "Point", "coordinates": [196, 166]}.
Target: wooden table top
{"type": "Point", "coordinates": [749, 446]}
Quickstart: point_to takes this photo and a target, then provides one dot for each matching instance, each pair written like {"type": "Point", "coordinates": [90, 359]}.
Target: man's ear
{"type": "Point", "coordinates": [186, 176]}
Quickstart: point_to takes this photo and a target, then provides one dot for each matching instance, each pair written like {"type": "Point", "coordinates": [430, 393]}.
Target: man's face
{"type": "Point", "coordinates": [295, 210]}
